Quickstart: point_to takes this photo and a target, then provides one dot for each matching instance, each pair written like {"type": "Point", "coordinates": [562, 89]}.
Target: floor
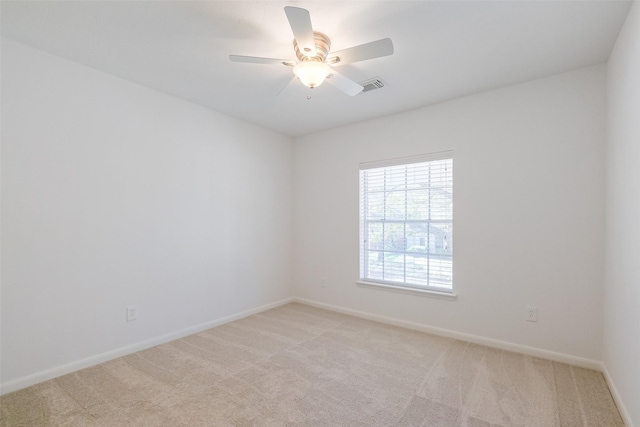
{"type": "Point", "coordinates": [298, 365]}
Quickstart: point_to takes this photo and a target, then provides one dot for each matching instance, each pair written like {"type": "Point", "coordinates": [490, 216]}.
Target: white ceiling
{"type": "Point", "coordinates": [443, 49]}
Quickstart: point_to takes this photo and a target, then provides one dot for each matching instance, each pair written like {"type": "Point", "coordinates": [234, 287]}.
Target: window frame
{"type": "Point", "coordinates": [365, 278]}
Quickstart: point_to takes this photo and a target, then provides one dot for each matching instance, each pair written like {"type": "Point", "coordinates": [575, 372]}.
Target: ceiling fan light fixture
{"type": "Point", "coordinates": [311, 73]}
{"type": "Point", "coordinates": [312, 48]}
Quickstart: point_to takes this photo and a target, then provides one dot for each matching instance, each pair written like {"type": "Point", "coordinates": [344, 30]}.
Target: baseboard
{"type": "Point", "coordinates": [48, 374]}
{"type": "Point", "coordinates": [616, 397]}
{"type": "Point", "coordinates": [489, 342]}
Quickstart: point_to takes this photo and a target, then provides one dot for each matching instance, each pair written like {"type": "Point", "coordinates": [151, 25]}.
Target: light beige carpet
{"type": "Point", "coordinates": [301, 366]}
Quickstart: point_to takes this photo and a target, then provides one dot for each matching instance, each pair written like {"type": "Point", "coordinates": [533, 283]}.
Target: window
{"type": "Point", "coordinates": [406, 222]}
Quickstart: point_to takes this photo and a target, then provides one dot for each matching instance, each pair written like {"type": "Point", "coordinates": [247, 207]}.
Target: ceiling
{"type": "Point", "coordinates": [443, 49]}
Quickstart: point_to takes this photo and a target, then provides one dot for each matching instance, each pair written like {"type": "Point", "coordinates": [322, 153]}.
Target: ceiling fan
{"type": "Point", "coordinates": [312, 49]}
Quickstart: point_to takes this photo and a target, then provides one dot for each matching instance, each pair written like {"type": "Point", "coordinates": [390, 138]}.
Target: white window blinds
{"type": "Point", "coordinates": [406, 222]}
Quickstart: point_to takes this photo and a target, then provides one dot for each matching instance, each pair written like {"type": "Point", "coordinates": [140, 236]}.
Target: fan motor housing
{"type": "Point", "coordinates": [323, 44]}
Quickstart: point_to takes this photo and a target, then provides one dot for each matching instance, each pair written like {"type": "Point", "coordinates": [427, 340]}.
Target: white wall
{"type": "Point", "coordinates": [622, 260]}
{"type": "Point", "coordinates": [114, 194]}
{"type": "Point", "coordinates": [528, 212]}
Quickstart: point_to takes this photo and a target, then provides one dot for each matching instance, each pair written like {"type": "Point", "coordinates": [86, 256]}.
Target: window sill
{"type": "Point", "coordinates": [422, 292]}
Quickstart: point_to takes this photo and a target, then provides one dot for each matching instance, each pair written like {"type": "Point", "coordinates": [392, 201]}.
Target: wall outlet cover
{"type": "Point", "coordinates": [132, 313]}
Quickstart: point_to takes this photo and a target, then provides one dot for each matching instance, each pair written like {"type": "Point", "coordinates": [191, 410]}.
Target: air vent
{"type": "Point", "coordinates": [372, 84]}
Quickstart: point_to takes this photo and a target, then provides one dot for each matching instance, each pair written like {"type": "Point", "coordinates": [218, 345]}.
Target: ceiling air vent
{"type": "Point", "coordinates": [372, 84]}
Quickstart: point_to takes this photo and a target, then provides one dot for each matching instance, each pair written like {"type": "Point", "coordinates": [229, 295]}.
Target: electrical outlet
{"type": "Point", "coordinates": [531, 315]}
{"type": "Point", "coordinates": [132, 313]}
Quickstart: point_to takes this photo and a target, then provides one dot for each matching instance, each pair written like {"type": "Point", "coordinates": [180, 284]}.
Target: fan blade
{"type": "Point", "coordinates": [258, 60]}
{"type": "Point", "coordinates": [300, 23]}
{"type": "Point", "coordinates": [376, 49]}
{"type": "Point", "coordinates": [343, 83]}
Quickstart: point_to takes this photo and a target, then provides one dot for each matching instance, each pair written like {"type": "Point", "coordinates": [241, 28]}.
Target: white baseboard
{"type": "Point", "coordinates": [489, 342]}
{"type": "Point", "coordinates": [616, 397]}
{"type": "Point", "coordinates": [48, 374]}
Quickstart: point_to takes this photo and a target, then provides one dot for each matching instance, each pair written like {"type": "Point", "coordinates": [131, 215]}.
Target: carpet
{"type": "Point", "coordinates": [298, 365]}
